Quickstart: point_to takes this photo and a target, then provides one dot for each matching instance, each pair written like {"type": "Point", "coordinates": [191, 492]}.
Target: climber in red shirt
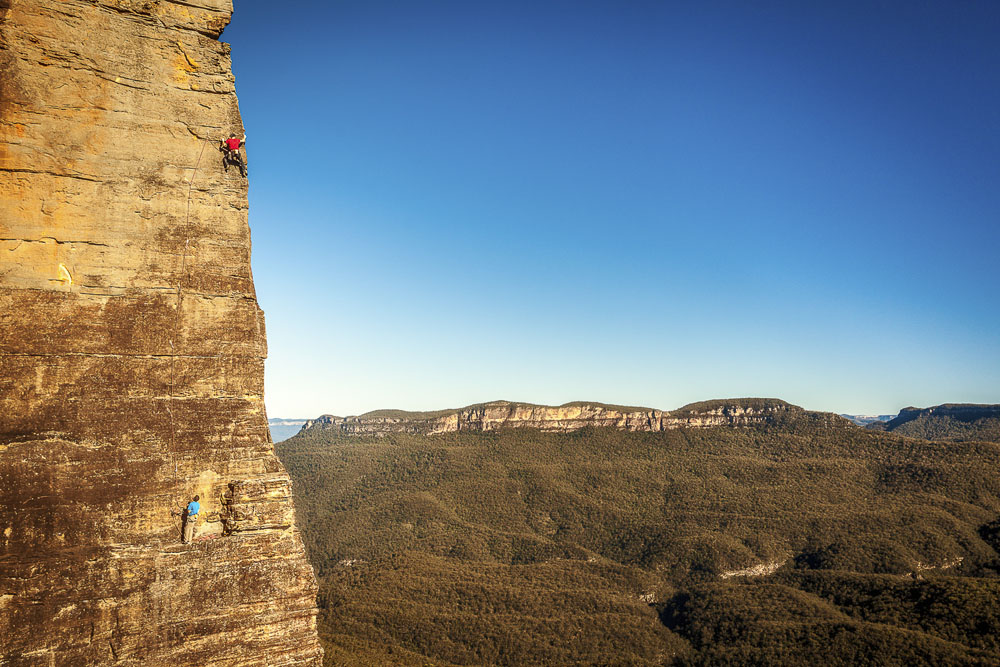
{"type": "Point", "coordinates": [231, 153]}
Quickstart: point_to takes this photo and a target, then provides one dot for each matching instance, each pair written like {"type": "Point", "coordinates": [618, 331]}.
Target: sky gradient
{"type": "Point", "coordinates": [644, 203]}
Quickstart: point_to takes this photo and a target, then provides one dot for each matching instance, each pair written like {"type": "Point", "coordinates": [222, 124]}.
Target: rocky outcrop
{"type": "Point", "coordinates": [759, 570]}
{"type": "Point", "coordinates": [131, 353]}
{"type": "Point", "coordinates": [568, 417]}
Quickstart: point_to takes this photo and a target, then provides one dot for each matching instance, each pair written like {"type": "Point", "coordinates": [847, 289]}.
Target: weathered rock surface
{"type": "Point", "coordinates": [568, 417]}
{"type": "Point", "coordinates": [131, 353]}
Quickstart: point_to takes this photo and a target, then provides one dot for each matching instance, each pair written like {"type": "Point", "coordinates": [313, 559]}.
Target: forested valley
{"type": "Point", "coordinates": [793, 542]}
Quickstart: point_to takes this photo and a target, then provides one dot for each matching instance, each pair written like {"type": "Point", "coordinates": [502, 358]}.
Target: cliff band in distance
{"type": "Point", "coordinates": [132, 351]}
{"type": "Point", "coordinates": [568, 417]}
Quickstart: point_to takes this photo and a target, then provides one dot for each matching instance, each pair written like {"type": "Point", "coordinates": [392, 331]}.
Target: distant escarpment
{"type": "Point", "coordinates": [570, 417]}
{"type": "Point", "coordinates": [950, 421]}
{"type": "Point", "coordinates": [132, 353]}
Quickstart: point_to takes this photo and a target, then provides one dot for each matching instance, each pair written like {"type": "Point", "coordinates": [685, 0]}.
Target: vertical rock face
{"type": "Point", "coordinates": [131, 353]}
{"type": "Point", "coordinates": [569, 417]}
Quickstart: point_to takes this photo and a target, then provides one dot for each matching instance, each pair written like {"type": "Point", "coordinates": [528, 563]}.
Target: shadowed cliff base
{"type": "Point", "coordinates": [131, 353]}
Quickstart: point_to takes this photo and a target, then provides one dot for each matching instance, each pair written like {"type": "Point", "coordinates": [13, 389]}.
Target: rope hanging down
{"type": "Point", "coordinates": [177, 304]}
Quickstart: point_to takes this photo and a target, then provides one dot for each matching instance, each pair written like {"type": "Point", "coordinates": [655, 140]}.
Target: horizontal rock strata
{"type": "Point", "coordinates": [568, 417]}
{"type": "Point", "coordinates": [131, 353]}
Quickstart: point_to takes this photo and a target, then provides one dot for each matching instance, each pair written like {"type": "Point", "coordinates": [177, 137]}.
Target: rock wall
{"type": "Point", "coordinates": [131, 353]}
{"type": "Point", "coordinates": [494, 415]}
{"type": "Point", "coordinates": [568, 417]}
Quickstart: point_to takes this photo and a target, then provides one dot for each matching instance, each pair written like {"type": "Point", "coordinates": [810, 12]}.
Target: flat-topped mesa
{"type": "Point", "coordinates": [963, 412]}
{"type": "Point", "coordinates": [494, 415]}
{"type": "Point", "coordinates": [567, 417]}
{"type": "Point", "coordinates": [132, 351]}
{"type": "Point", "coordinates": [950, 421]}
{"type": "Point", "coordinates": [739, 412]}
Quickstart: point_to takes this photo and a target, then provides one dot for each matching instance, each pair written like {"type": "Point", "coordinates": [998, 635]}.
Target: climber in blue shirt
{"type": "Point", "coordinates": [190, 519]}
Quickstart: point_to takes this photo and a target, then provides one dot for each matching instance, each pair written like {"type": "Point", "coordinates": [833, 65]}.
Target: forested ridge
{"type": "Point", "coordinates": [951, 421]}
{"type": "Point", "coordinates": [611, 547]}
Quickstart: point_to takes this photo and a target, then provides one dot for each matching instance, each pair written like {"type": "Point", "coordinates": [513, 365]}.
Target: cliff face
{"type": "Point", "coordinates": [491, 416]}
{"type": "Point", "coordinates": [568, 417]}
{"type": "Point", "coordinates": [131, 353]}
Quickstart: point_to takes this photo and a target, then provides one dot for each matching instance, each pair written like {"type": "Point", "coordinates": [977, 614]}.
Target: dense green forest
{"type": "Point", "coordinates": [955, 422]}
{"type": "Point", "coordinates": [609, 547]}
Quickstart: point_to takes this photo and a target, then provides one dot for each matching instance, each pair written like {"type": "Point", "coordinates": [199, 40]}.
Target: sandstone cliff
{"type": "Point", "coordinates": [131, 353]}
{"type": "Point", "coordinates": [567, 417]}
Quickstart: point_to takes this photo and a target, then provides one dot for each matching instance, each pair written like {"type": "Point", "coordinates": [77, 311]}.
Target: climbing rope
{"type": "Point", "coordinates": [177, 306]}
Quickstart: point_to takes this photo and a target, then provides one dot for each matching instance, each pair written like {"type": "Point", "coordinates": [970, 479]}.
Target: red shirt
{"type": "Point", "coordinates": [233, 144]}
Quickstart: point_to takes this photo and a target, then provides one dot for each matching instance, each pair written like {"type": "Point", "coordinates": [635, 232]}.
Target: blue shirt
{"type": "Point", "coordinates": [193, 508]}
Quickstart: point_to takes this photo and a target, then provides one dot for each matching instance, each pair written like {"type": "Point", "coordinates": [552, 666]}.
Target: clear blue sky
{"type": "Point", "coordinates": [648, 203]}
